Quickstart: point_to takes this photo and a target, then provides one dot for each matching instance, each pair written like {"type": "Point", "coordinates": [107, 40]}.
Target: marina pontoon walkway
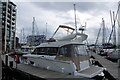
{"type": "Point", "coordinates": [109, 65]}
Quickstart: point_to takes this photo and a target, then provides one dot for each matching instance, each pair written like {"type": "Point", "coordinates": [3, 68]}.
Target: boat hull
{"type": "Point", "coordinates": [67, 67]}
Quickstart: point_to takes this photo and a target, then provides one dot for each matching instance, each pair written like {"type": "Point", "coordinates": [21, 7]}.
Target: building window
{"type": "Point", "coordinates": [0, 5]}
{"type": "Point", "coordinates": [0, 16]}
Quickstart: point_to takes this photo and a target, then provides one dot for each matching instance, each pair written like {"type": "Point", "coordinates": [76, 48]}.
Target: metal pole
{"type": "Point", "coordinates": [6, 60]}
{"type": "Point", "coordinates": [33, 27]}
{"type": "Point", "coordinates": [46, 30]}
{"type": "Point", "coordinates": [114, 34]}
{"type": "Point", "coordinates": [75, 18]}
{"type": "Point", "coordinates": [103, 23]}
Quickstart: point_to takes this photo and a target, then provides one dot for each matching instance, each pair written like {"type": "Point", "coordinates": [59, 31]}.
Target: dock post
{"type": "Point", "coordinates": [6, 60]}
{"type": "Point", "coordinates": [118, 63]}
{"type": "Point", "coordinates": [11, 63]}
{"type": "Point", "coordinates": [16, 65]}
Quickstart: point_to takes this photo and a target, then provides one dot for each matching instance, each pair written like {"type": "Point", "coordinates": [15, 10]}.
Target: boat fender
{"type": "Point", "coordinates": [16, 59]}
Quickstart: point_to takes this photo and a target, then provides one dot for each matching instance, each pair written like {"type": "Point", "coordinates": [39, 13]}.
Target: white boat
{"type": "Point", "coordinates": [114, 54]}
{"type": "Point", "coordinates": [67, 55]}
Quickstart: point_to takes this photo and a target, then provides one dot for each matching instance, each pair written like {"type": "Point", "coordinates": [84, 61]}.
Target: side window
{"type": "Point", "coordinates": [82, 51]}
{"type": "Point", "coordinates": [52, 50]}
{"type": "Point", "coordinates": [45, 51]}
{"type": "Point", "coordinates": [65, 51]}
{"type": "Point", "coordinates": [42, 51]}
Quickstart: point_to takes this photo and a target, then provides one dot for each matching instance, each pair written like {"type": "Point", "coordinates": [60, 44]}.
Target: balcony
{"type": "Point", "coordinates": [9, 11]}
{"type": "Point", "coordinates": [13, 19]}
{"type": "Point", "coordinates": [13, 23]}
{"type": "Point", "coordinates": [3, 23]}
{"type": "Point", "coordinates": [4, 8]}
{"type": "Point", "coordinates": [14, 10]}
{"type": "Point", "coordinates": [4, 14]}
{"type": "Point", "coordinates": [14, 14]}
{"type": "Point", "coordinates": [8, 25]}
{"type": "Point", "coordinates": [8, 20]}
{"type": "Point", "coordinates": [8, 15]}
{"type": "Point", "coordinates": [9, 6]}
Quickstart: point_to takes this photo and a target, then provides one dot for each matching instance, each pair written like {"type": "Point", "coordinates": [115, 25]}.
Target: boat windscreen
{"type": "Point", "coordinates": [73, 51]}
{"type": "Point", "coordinates": [46, 51]}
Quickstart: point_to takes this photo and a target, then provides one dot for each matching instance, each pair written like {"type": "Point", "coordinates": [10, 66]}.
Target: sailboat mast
{"type": "Point", "coordinates": [103, 39]}
{"type": "Point", "coordinates": [21, 36]}
{"type": "Point", "coordinates": [114, 34]}
{"type": "Point", "coordinates": [46, 29]}
{"type": "Point", "coordinates": [33, 27]}
{"type": "Point", "coordinates": [75, 17]}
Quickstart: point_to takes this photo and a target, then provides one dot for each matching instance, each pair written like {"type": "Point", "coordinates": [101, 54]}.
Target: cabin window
{"type": "Point", "coordinates": [45, 51]}
{"type": "Point", "coordinates": [73, 51]}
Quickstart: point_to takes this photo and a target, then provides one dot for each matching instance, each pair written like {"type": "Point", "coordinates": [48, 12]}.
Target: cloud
{"type": "Point", "coordinates": [61, 13]}
{"type": "Point", "coordinates": [82, 7]}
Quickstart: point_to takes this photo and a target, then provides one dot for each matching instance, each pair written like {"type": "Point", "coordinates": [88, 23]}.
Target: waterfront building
{"type": "Point", "coordinates": [35, 40]}
{"type": "Point", "coordinates": [8, 24]}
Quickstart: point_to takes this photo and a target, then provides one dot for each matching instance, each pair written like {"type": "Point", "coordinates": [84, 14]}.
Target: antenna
{"type": "Point", "coordinates": [75, 18]}
{"type": "Point", "coordinates": [46, 29]}
{"type": "Point", "coordinates": [21, 36]}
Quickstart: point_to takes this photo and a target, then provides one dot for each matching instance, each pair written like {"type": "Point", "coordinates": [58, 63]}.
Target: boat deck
{"type": "Point", "coordinates": [91, 70]}
{"type": "Point", "coordinates": [43, 73]}
{"type": "Point", "coordinates": [109, 65]}
{"type": "Point", "coordinates": [40, 72]}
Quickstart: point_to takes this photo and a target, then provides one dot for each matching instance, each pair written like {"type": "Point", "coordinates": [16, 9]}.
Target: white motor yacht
{"type": "Point", "coordinates": [67, 55]}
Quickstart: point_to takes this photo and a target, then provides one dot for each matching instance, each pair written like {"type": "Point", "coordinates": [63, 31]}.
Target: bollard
{"type": "Point", "coordinates": [118, 63]}
{"type": "Point", "coordinates": [11, 63]}
{"type": "Point", "coordinates": [6, 60]}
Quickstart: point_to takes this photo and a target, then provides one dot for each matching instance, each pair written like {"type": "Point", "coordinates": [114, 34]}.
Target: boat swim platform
{"type": "Point", "coordinates": [41, 72]}
{"type": "Point", "coordinates": [111, 67]}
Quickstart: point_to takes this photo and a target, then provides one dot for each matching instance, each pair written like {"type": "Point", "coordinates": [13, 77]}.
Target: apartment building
{"type": "Point", "coordinates": [8, 24]}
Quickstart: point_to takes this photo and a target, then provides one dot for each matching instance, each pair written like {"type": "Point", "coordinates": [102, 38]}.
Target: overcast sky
{"type": "Point", "coordinates": [61, 13]}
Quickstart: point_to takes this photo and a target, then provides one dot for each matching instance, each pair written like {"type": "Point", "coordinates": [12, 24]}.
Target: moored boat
{"type": "Point", "coordinates": [67, 55]}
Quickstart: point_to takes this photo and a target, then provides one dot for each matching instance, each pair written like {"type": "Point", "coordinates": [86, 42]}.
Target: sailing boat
{"type": "Point", "coordinates": [66, 55]}
{"type": "Point", "coordinates": [116, 53]}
